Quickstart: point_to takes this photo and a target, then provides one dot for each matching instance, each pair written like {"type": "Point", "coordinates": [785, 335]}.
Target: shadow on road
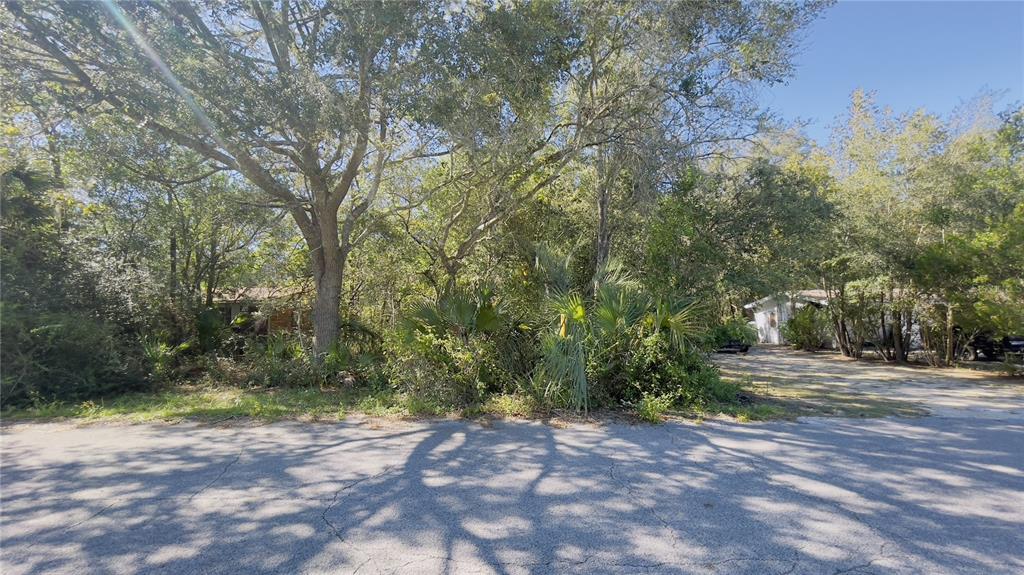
{"type": "Point", "coordinates": [453, 497]}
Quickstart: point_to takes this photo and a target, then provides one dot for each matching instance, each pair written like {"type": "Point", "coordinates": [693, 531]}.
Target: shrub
{"type": "Point", "coordinates": [71, 315]}
{"type": "Point", "coordinates": [456, 350]}
{"type": "Point", "coordinates": [159, 356]}
{"type": "Point", "coordinates": [66, 357]}
{"type": "Point", "coordinates": [511, 405]}
{"type": "Point", "coordinates": [209, 330]}
{"type": "Point", "coordinates": [734, 329]}
{"type": "Point", "coordinates": [620, 346]}
{"type": "Point", "coordinates": [651, 366]}
{"type": "Point", "coordinates": [447, 370]}
{"type": "Point", "coordinates": [807, 329]}
{"type": "Point", "coordinates": [724, 391]}
{"type": "Point", "coordinates": [652, 408]}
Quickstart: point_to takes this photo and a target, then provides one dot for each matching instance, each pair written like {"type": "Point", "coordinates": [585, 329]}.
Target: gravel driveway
{"type": "Point", "coordinates": [939, 494]}
{"type": "Point", "coordinates": [825, 376]}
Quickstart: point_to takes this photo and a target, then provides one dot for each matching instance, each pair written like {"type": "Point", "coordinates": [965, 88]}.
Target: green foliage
{"type": "Point", "coordinates": [568, 188]}
{"type": "Point", "coordinates": [619, 345]}
{"type": "Point", "coordinates": [723, 391]}
{"type": "Point", "coordinates": [652, 408]}
{"type": "Point", "coordinates": [807, 329]}
{"type": "Point", "coordinates": [209, 330]}
{"type": "Point", "coordinates": [511, 405]}
{"type": "Point", "coordinates": [458, 349]}
{"type": "Point", "coordinates": [64, 355]}
{"type": "Point", "coordinates": [160, 356]}
{"type": "Point", "coordinates": [67, 326]}
{"type": "Point", "coordinates": [734, 329]}
{"type": "Point", "coordinates": [445, 369]}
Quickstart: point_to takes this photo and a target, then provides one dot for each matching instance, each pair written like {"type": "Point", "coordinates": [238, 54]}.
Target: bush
{"type": "Point", "coordinates": [71, 314]}
{"type": "Point", "coordinates": [652, 408]}
{"type": "Point", "coordinates": [652, 367]}
{"type": "Point", "coordinates": [447, 370]}
{"type": "Point", "coordinates": [511, 405]}
{"type": "Point", "coordinates": [66, 357]}
{"type": "Point", "coordinates": [457, 350]}
{"type": "Point", "coordinates": [724, 391]}
{"type": "Point", "coordinates": [732, 330]}
{"type": "Point", "coordinates": [807, 329]}
{"type": "Point", "coordinates": [620, 346]}
{"type": "Point", "coordinates": [282, 360]}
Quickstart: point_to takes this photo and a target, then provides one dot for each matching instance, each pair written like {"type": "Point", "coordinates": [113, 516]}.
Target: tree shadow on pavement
{"type": "Point", "coordinates": [452, 497]}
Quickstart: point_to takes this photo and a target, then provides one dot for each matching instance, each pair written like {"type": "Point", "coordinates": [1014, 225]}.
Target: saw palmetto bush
{"type": "Point", "coordinates": [619, 345]}
{"type": "Point", "coordinates": [455, 350]}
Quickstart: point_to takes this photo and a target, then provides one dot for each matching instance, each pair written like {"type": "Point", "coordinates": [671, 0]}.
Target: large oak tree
{"type": "Point", "coordinates": [312, 102]}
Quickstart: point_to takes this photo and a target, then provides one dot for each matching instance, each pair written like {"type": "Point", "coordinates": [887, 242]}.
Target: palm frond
{"type": "Point", "coordinates": [682, 321]}
{"type": "Point", "coordinates": [565, 367]}
{"type": "Point", "coordinates": [554, 266]}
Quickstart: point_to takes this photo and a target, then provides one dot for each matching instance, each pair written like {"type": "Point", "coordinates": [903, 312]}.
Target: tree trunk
{"type": "Point", "coordinates": [950, 348]}
{"type": "Point", "coordinates": [604, 232]}
{"type": "Point", "coordinates": [899, 352]}
{"type": "Point", "coordinates": [839, 327]}
{"type": "Point", "coordinates": [173, 284]}
{"type": "Point", "coordinates": [326, 315]}
{"type": "Point", "coordinates": [211, 272]}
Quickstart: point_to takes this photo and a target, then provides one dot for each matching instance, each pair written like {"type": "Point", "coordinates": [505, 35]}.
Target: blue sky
{"type": "Point", "coordinates": [912, 54]}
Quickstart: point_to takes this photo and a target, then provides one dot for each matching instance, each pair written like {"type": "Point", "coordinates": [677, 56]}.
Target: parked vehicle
{"type": "Point", "coordinates": [992, 348]}
{"type": "Point", "coordinates": [734, 336]}
{"type": "Point", "coordinates": [733, 346]}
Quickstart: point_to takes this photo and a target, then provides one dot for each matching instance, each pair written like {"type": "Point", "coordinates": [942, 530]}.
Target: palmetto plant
{"type": "Point", "coordinates": [563, 348]}
{"type": "Point", "coordinates": [459, 312]}
{"type": "Point", "coordinates": [682, 321]}
{"type": "Point", "coordinates": [603, 328]}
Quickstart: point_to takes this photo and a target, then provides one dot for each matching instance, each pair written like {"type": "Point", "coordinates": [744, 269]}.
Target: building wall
{"type": "Point", "coordinates": [769, 320]}
{"type": "Point", "coordinates": [771, 333]}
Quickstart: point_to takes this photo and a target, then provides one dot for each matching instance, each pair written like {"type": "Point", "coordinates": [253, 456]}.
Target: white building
{"type": "Point", "coordinates": [772, 312]}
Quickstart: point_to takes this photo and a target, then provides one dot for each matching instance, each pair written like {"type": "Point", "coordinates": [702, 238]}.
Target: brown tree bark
{"type": "Point", "coordinates": [949, 335]}
{"type": "Point", "coordinates": [899, 354]}
{"type": "Point", "coordinates": [604, 196]}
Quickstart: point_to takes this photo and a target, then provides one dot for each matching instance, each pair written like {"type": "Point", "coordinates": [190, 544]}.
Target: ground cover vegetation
{"type": "Point", "coordinates": [502, 207]}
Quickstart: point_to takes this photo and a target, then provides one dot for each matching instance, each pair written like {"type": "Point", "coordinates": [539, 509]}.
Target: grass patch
{"type": "Point", "coordinates": [213, 403]}
{"type": "Point", "coordinates": [743, 397]}
{"type": "Point", "coordinates": [755, 412]}
{"type": "Point", "coordinates": [510, 405]}
{"type": "Point", "coordinates": [198, 403]}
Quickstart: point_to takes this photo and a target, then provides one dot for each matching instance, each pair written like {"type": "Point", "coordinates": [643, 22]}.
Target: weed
{"type": "Point", "coordinates": [652, 408]}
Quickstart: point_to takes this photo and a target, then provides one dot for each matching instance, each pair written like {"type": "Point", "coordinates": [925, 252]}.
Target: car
{"type": "Point", "coordinates": [733, 346]}
{"type": "Point", "coordinates": [990, 347]}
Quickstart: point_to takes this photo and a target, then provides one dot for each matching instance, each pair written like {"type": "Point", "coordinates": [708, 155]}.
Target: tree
{"type": "Point", "coordinates": [158, 204]}
{"type": "Point", "coordinates": [647, 86]}
{"type": "Point", "coordinates": [312, 103]}
{"type": "Point", "coordinates": [915, 194]}
{"type": "Point", "coordinates": [740, 230]}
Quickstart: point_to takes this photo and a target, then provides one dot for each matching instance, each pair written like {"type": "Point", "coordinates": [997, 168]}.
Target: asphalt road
{"type": "Point", "coordinates": [824, 496]}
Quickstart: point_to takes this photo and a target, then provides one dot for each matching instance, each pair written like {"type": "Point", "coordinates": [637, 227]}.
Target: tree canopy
{"type": "Point", "coordinates": [571, 200]}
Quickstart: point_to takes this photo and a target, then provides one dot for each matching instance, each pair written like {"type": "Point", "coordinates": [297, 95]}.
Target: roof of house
{"type": "Point", "coordinates": [811, 295]}
{"type": "Point", "coordinates": [258, 293]}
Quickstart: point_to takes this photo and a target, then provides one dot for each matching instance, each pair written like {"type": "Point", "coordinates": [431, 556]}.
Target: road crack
{"type": "Point", "coordinates": [335, 530]}
{"type": "Point", "coordinates": [637, 500]}
{"type": "Point", "coordinates": [219, 475]}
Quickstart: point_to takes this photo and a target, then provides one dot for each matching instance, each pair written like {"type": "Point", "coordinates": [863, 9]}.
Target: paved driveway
{"type": "Point", "coordinates": [940, 494]}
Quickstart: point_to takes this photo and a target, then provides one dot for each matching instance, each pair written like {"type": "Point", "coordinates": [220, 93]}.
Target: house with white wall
{"type": "Point", "coordinates": [772, 312]}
